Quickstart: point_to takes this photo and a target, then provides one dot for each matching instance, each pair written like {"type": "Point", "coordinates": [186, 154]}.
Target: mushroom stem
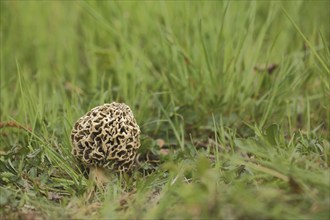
{"type": "Point", "coordinates": [98, 181]}
{"type": "Point", "coordinates": [98, 176]}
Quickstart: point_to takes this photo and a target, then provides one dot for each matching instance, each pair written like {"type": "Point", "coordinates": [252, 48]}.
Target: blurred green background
{"type": "Point", "coordinates": [198, 55]}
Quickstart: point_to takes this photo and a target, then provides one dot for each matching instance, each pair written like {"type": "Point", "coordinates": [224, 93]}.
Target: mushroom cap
{"type": "Point", "coordinates": [107, 136]}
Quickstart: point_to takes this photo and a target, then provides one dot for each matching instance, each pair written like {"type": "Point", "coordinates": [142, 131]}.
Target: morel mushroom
{"type": "Point", "coordinates": [106, 137]}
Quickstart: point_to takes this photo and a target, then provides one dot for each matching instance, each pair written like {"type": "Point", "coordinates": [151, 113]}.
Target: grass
{"type": "Point", "coordinates": [232, 97]}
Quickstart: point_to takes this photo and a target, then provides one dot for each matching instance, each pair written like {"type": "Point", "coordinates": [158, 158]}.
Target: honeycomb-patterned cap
{"type": "Point", "coordinates": [107, 136]}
